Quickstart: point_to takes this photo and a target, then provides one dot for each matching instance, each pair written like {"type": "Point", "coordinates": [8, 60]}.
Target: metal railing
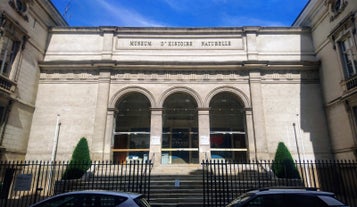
{"type": "Point", "coordinates": [6, 84]}
{"type": "Point", "coordinates": [351, 82]}
{"type": "Point", "coordinates": [23, 183]}
{"type": "Point", "coordinates": [224, 180]}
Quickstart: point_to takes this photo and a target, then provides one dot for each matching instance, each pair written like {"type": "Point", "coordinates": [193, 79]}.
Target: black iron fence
{"type": "Point", "coordinates": [23, 183]}
{"type": "Point", "coordinates": [224, 180]}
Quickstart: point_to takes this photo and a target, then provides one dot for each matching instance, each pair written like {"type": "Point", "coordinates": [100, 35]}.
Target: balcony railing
{"type": "Point", "coordinates": [6, 85]}
{"type": "Point", "coordinates": [351, 83]}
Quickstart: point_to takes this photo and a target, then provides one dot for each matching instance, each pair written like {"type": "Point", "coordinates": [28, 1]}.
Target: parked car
{"type": "Point", "coordinates": [94, 198]}
{"type": "Point", "coordinates": [286, 197]}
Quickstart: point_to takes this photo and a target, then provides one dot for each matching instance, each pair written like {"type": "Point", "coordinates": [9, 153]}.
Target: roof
{"type": "Point", "coordinates": [290, 190]}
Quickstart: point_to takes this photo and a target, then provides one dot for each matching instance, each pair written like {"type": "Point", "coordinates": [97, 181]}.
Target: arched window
{"type": "Point", "coordinates": [180, 134]}
{"type": "Point", "coordinates": [132, 130]}
{"type": "Point", "coordinates": [227, 128]}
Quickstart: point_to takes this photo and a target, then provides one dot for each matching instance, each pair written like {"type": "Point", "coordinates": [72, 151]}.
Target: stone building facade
{"type": "Point", "coordinates": [181, 95]}
{"type": "Point", "coordinates": [23, 42]}
{"type": "Point", "coordinates": [333, 28]}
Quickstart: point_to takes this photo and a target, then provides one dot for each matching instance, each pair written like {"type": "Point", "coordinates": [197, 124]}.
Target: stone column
{"type": "Point", "coordinates": [156, 135]}
{"type": "Point", "coordinates": [204, 134]}
{"type": "Point", "coordinates": [258, 116]}
{"type": "Point", "coordinates": [100, 116]}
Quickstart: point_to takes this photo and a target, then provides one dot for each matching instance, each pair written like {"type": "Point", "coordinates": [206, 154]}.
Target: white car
{"type": "Point", "coordinates": [94, 198]}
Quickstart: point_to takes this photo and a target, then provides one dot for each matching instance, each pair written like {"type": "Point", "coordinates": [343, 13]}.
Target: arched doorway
{"type": "Point", "coordinates": [132, 128]}
{"type": "Point", "coordinates": [180, 129]}
{"type": "Point", "coordinates": [227, 127]}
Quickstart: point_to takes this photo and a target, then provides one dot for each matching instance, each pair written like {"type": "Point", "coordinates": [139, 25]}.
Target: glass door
{"type": "Point", "coordinates": [180, 146]}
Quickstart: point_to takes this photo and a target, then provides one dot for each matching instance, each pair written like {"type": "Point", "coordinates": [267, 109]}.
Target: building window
{"type": "Point", "coordinates": [349, 56]}
{"type": "Point", "coordinates": [132, 130]}
{"type": "Point", "coordinates": [355, 115]}
{"type": "Point", "coordinates": [180, 130]}
{"type": "Point", "coordinates": [12, 40]}
{"type": "Point", "coordinates": [344, 39]}
{"type": "Point", "coordinates": [2, 115]}
{"type": "Point", "coordinates": [227, 128]}
{"type": "Point", "coordinates": [9, 50]}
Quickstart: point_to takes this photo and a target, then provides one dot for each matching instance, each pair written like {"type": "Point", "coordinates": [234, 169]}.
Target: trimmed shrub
{"type": "Point", "coordinates": [283, 165]}
{"type": "Point", "coordinates": [80, 161]}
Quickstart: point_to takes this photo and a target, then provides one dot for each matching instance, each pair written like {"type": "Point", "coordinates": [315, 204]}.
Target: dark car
{"type": "Point", "coordinates": [95, 198]}
{"type": "Point", "coordinates": [283, 197]}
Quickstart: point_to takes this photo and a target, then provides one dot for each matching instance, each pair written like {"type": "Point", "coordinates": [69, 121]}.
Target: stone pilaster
{"type": "Point", "coordinates": [204, 134]}
{"type": "Point", "coordinates": [258, 116]}
{"type": "Point", "coordinates": [101, 116]}
{"type": "Point", "coordinates": [156, 135]}
{"type": "Point", "coordinates": [107, 44]}
{"type": "Point", "coordinates": [250, 135]}
{"type": "Point", "coordinates": [251, 38]}
{"type": "Point", "coordinates": [109, 135]}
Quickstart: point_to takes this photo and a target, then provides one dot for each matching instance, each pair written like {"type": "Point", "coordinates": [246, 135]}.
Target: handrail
{"type": "Point", "coordinates": [130, 150]}
{"type": "Point", "coordinates": [230, 149]}
{"type": "Point", "coordinates": [179, 149]}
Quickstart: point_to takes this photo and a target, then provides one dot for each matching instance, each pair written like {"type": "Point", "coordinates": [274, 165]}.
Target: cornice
{"type": "Point", "coordinates": [54, 14]}
{"type": "Point", "coordinates": [311, 9]}
{"type": "Point", "coordinates": [178, 30]}
{"type": "Point", "coordinates": [172, 65]}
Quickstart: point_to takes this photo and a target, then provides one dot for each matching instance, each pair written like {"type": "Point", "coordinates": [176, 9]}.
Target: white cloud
{"type": "Point", "coordinates": [188, 6]}
{"type": "Point", "coordinates": [248, 21]}
{"type": "Point", "coordinates": [124, 16]}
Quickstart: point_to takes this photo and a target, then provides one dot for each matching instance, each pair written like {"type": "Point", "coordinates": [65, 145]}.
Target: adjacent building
{"type": "Point", "coordinates": [24, 36]}
{"type": "Point", "coordinates": [180, 95]}
{"type": "Point", "coordinates": [333, 28]}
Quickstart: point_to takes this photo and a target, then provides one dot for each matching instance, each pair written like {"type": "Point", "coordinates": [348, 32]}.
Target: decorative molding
{"type": "Point", "coordinates": [345, 26]}
{"type": "Point", "coordinates": [180, 76]}
{"type": "Point", "coordinates": [21, 7]}
{"type": "Point", "coordinates": [336, 7]}
{"type": "Point", "coordinates": [69, 75]}
{"type": "Point", "coordinates": [184, 76]}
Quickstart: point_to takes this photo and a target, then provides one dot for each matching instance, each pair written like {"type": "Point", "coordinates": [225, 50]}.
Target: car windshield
{"type": "Point", "coordinates": [240, 199]}
{"type": "Point", "coordinates": [141, 202]}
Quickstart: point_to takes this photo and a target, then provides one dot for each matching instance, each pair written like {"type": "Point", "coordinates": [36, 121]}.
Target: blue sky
{"type": "Point", "coordinates": [180, 13]}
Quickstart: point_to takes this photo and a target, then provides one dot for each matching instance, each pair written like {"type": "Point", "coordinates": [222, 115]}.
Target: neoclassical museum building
{"type": "Point", "coordinates": [178, 95]}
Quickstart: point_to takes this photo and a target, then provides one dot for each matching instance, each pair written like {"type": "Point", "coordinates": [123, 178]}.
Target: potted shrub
{"type": "Point", "coordinates": [80, 161]}
{"type": "Point", "coordinates": [283, 165]}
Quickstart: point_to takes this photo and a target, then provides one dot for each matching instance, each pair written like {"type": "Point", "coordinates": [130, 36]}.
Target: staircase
{"type": "Point", "coordinates": [176, 185]}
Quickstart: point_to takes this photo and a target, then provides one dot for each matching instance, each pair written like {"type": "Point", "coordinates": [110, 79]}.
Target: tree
{"type": "Point", "coordinates": [80, 161]}
{"type": "Point", "coordinates": [283, 165]}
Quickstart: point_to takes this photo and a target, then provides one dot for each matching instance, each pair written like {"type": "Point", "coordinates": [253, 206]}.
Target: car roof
{"type": "Point", "coordinates": [103, 192]}
{"type": "Point", "coordinates": [310, 191]}
{"type": "Point", "coordinates": [94, 192]}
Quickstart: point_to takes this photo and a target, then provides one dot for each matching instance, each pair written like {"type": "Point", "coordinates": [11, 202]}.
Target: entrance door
{"type": "Point", "coordinates": [180, 135]}
{"type": "Point", "coordinates": [181, 146]}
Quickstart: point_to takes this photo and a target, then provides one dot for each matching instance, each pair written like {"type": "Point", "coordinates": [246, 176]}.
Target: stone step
{"type": "Point", "coordinates": [177, 169]}
{"type": "Point", "coordinates": [176, 185]}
